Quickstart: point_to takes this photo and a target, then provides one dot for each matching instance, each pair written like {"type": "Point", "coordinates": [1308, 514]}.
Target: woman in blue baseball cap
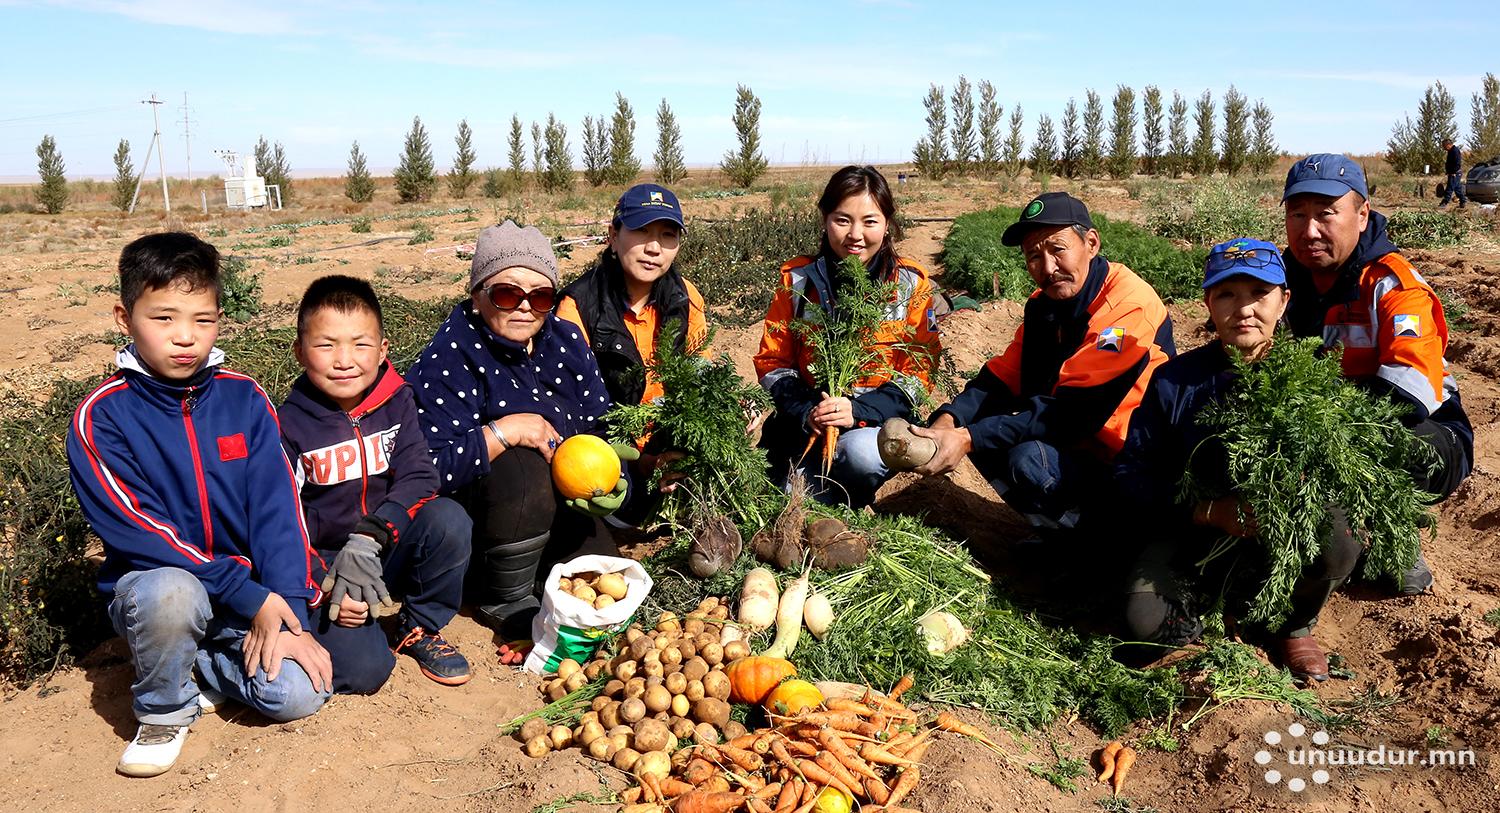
{"type": "Point", "coordinates": [625, 301]}
{"type": "Point", "coordinates": [1244, 287]}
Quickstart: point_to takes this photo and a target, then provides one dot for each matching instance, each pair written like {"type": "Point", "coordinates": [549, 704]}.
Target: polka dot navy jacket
{"type": "Point", "coordinates": [468, 376]}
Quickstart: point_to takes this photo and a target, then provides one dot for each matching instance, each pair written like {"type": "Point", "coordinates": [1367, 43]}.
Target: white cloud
{"type": "Point", "coordinates": [208, 15]}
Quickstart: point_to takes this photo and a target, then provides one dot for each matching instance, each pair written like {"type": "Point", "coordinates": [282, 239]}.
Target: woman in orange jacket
{"type": "Point", "coordinates": [859, 218]}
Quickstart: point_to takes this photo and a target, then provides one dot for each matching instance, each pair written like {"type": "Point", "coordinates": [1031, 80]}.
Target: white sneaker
{"type": "Point", "coordinates": [210, 701]}
{"type": "Point", "coordinates": [153, 751]}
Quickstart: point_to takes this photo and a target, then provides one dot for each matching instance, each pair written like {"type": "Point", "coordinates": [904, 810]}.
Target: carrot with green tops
{"type": "Point", "coordinates": [1123, 762]}
{"type": "Point", "coordinates": [948, 722]}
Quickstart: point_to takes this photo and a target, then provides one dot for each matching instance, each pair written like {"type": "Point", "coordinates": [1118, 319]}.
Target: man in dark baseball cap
{"type": "Point", "coordinates": [1351, 286]}
{"type": "Point", "coordinates": [1042, 419]}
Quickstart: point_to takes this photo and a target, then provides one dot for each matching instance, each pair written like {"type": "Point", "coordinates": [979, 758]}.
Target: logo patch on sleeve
{"type": "Point", "coordinates": [232, 447]}
{"type": "Point", "coordinates": [1111, 339]}
{"type": "Point", "coordinates": [932, 320]}
{"type": "Point", "coordinates": [1407, 324]}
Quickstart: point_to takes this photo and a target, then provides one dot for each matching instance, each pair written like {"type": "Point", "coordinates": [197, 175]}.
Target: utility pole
{"type": "Point", "coordinates": [155, 142]}
{"type": "Point", "coordinates": [187, 135]}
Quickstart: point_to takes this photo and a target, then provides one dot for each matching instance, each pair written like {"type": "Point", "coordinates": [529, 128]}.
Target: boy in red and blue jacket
{"type": "Point", "coordinates": [178, 466]}
{"type": "Point", "coordinates": [369, 489]}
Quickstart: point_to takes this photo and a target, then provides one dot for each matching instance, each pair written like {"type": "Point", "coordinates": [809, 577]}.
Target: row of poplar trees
{"type": "Point", "coordinates": [608, 153]}
{"type": "Point", "coordinates": [978, 140]}
{"type": "Point", "coordinates": [1417, 146]}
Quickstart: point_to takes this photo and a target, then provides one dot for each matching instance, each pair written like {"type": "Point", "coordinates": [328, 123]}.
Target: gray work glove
{"type": "Point", "coordinates": [356, 572]}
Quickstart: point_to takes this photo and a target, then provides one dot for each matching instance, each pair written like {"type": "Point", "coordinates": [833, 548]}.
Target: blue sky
{"type": "Point", "coordinates": [838, 80]}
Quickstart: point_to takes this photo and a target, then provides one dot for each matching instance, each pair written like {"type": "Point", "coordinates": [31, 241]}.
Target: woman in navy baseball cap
{"type": "Point", "coordinates": [626, 301]}
{"type": "Point", "coordinates": [1244, 287]}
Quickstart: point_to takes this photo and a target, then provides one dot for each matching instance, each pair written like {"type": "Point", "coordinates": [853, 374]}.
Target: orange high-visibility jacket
{"type": "Point", "coordinates": [1098, 384]}
{"type": "Point", "coordinates": [909, 339]}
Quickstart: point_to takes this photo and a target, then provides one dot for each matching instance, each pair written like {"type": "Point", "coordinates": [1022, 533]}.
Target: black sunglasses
{"type": "Point", "coordinates": [508, 297]}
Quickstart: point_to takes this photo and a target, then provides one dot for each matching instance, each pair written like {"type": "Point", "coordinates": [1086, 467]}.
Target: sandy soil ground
{"type": "Point", "coordinates": [419, 746]}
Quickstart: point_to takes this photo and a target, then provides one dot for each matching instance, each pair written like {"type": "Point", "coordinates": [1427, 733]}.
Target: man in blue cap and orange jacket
{"type": "Point", "coordinates": [1351, 286]}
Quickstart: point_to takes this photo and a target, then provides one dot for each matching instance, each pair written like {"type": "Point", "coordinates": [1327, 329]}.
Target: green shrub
{"type": "Point", "coordinates": [1425, 228]}
{"type": "Point", "coordinates": [239, 292]}
{"type": "Point", "coordinates": [360, 225]}
{"type": "Point", "coordinates": [974, 261]}
{"type": "Point", "coordinates": [420, 233]}
{"type": "Point", "coordinates": [1211, 212]}
{"type": "Point", "coordinates": [735, 262]}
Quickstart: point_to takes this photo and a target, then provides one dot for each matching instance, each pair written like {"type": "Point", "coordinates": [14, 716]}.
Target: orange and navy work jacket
{"type": "Point", "coordinates": [1388, 322]}
{"type": "Point", "coordinates": [643, 328]}
{"type": "Point", "coordinates": [1075, 370]}
{"type": "Point", "coordinates": [908, 342]}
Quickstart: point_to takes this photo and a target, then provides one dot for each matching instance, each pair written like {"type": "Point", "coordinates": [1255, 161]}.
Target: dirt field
{"type": "Point", "coordinates": [420, 746]}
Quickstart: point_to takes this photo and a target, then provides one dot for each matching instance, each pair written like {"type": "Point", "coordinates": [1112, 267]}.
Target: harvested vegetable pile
{"type": "Point", "coordinates": [1009, 664]}
{"type": "Point", "coordinates": [1299, 439]}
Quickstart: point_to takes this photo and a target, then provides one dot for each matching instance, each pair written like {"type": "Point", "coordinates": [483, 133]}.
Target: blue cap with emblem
{"type": "Point", "coordinates": [1243, 256]}
{"type": "Point", "coordinates": [1325, 173]}
{"type": "Point", "coordinates": [647, 203]}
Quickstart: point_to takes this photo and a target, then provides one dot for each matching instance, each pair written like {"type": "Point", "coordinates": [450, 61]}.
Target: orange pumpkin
{"type": "Point", "coordinates": [793, 697]}
{"type": "Point", "coordinates": [584, 466]}
{"type": "Point", "coordinates": [753, 677]}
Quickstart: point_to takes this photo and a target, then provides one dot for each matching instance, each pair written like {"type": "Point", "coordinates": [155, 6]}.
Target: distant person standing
{"type": "Point", "coordinates": [1454, 167]}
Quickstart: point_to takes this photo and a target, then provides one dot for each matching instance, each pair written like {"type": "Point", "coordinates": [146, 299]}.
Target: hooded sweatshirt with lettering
{"type": "Point", "coordinates": [369, 460]}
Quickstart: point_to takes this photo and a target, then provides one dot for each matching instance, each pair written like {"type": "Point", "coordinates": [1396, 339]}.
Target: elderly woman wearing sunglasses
{"type": "Point", "coordinates": [498, 388]}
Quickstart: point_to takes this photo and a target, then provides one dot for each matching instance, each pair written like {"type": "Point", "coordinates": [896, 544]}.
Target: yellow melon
{"type": "Point", "coordinates": [584, 466]}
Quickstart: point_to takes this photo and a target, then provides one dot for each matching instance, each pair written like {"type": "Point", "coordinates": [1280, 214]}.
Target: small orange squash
{"type": "Point", "coordinates": [584, 466]}
{"type": "Point", "coordinates": [793, 697]}
{"type": "Point", "coordinates": [752, 678]}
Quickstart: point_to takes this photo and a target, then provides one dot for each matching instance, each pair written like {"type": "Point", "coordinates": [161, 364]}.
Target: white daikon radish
{"type": "Point", "coordinates": [789, 618]}
{"type": "Point", "coordinates": [817, 613]}
{"type": "Point", "coordinates": [758, 600]}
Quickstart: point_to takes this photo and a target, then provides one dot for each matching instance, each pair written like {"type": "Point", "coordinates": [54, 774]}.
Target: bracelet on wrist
{"type": "Point", "coordinates": [494, 427]}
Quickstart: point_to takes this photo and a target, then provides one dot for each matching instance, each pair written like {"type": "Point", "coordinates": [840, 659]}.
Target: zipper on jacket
{"type": "Point", "coordinates": [364, 468]}
{"type": "Point", "coordinates": [188, 401]}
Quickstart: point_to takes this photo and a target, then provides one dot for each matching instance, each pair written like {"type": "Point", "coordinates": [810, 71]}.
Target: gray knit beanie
{"type": "Point", "coordinates": [510, 246]}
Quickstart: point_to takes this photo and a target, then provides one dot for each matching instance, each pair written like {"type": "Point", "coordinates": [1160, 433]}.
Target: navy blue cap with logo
{"type": "Point", "coordinates": [1047, 209]}
{"type": "Point", "coordinates": [1244, 257]}
{"type": "Point", "coordinates": [647, 203]}
{"type": "Point", "coordinates": [1325, 173]}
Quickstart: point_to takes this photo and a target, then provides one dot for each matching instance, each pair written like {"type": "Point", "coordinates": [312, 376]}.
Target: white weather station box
{"type": "Point", "coordinates": [243, 188]}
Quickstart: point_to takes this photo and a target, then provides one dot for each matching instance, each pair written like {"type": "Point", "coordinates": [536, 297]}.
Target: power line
{"type": "Point", "coordinates": [187, 135]}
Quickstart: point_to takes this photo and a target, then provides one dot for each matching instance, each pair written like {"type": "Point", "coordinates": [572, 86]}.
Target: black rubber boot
{"type": "Point", "coordinates": [507, 586]}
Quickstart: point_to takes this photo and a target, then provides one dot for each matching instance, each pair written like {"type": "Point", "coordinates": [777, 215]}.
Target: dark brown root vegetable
{"type": "Point", "coordinates": [716, 544]}
{"type": "Point", "coordinates": [900, 450]}
{"type": "Point", "coordinates": [781, 544]}
{"type": "Point", "coordinates": [834, 546]}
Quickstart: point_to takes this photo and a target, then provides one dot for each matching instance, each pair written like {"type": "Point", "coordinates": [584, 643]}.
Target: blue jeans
{"type": "Point", "coordinates": [425, 571]}
{"type": "Point", "coordinates": [168, 622]}
{"type": "Point", "coordinates": [1046, 485]}
{"type": "Point", "coordinates": [857, 471]}
{"type": "Point", "coordinates": [1454, 186]}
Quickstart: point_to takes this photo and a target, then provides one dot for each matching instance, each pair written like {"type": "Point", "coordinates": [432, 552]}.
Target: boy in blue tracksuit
{"type": "Point", "coordinates": [369, 489]}
{"type": "Point", "coordinates": [178, 466]}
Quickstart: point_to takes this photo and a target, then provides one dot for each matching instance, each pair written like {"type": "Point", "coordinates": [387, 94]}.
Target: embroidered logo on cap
{"type": "Point", "coordinates": [655, 197]}
{"type": "Point", "coordinates": [1407, 324]}
{"type": "Point", "coordinates": [1111, 338]}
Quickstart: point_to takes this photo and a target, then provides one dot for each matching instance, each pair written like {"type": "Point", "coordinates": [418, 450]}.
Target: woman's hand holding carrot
{"type": "Point", "coordinates": [836, 413]}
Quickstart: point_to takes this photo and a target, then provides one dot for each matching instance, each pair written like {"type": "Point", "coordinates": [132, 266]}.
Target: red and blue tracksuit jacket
{"type": "Point", "coordinates": [192, 476]}
{"type": "Point", "coordinates": [369, 460]}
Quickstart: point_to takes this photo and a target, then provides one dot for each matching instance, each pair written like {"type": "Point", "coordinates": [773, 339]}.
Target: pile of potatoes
{"type": "Point", "coordinates": [668, 686]}
{"type": "Point", "coordinates": [597, 589]}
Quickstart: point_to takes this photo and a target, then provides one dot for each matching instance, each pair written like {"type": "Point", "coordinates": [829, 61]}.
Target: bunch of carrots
{"type": "Point", "coordinates": [870, 749]}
